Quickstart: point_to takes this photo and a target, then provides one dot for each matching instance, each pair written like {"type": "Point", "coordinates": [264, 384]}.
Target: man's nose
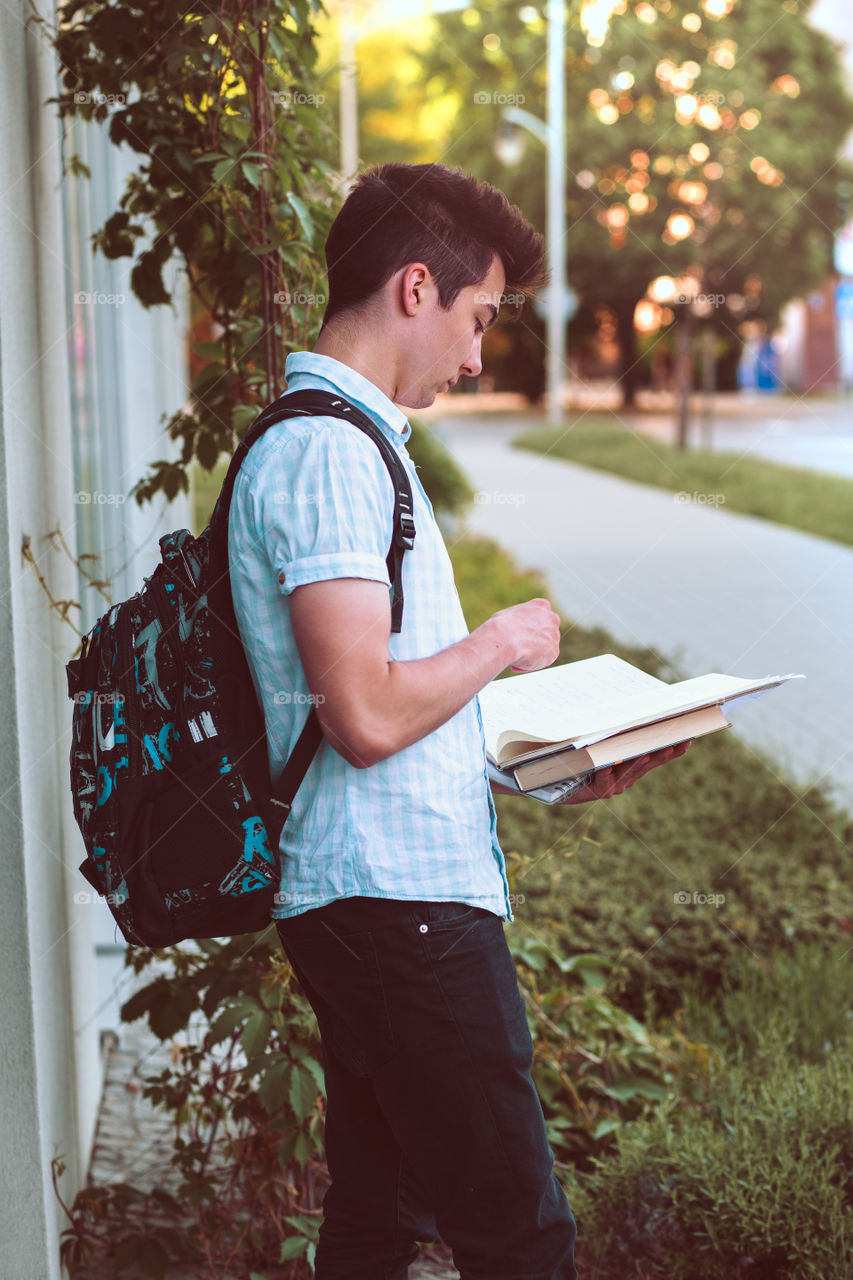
{"type": "Point", "coordinates": [473, 363]}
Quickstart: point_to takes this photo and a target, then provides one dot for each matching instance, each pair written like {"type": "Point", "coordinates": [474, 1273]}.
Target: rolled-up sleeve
{"type": "Point", "coordinates": [326, 507]}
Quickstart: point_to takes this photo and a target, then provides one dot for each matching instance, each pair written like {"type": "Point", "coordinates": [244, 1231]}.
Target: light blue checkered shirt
{"type": "Point", "coordinates": [314, 501]}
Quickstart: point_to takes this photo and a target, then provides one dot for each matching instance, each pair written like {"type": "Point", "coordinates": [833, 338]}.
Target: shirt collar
{"type": "Point", "coordinates": [307, 368]}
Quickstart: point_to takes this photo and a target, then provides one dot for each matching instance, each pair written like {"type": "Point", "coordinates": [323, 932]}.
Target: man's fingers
{"type": "Point", "coordinates": [614, 779]}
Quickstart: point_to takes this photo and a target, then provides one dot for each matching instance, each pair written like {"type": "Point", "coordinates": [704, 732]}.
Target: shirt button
{"type": "Point", "coordinates": [281, 577]}
{"type": "Point", "coordinates": [424, 928]}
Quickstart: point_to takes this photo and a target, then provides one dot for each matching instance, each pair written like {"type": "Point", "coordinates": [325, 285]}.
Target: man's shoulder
{"type": "Point", "coordinates": [303, 436]}
{"type": "Point", "coordinates": [305, 460]}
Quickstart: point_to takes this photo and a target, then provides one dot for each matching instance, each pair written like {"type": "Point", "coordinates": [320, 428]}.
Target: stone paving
{"type": "Point", "coordinates": [133, 1143]}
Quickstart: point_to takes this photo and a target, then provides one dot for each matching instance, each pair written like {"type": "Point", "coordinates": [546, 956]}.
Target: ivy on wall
{"type": "Point", "coordinates": [222, 105]}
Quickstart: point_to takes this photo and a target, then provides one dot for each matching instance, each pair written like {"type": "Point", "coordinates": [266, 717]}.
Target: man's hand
{"type": "Point", "coordinates": [612, 781]}
{"type": "Point", "coordinates": [531, 631]}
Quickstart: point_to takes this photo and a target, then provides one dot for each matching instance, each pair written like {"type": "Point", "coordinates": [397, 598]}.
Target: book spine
{"type": "Point", "coordinates": [556, 768]}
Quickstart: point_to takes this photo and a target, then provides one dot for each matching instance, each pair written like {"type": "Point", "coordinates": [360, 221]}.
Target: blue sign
{"type": "Point", "coordinates": [844, 298]}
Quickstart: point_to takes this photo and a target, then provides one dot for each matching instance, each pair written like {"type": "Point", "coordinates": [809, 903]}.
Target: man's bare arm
{"type": "Point", "coordinates": [371, 707]}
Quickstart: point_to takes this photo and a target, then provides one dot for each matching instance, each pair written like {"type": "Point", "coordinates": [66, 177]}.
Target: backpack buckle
{"type": "Point", "coordinates": [406, 534]}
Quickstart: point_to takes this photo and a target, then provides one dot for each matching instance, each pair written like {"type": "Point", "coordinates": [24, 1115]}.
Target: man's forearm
{"type": "Point", "coordinates": [417, 696]}
{"type": "Point", "coordinates": [371, 707]}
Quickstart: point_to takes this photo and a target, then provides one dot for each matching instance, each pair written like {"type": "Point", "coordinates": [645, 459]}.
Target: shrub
{"type": "Point", "coordinates": [755, 1181]}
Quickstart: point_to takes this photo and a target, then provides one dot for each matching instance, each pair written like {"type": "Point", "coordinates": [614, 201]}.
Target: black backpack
{"type": "Point", "coordinates": [169, 767]}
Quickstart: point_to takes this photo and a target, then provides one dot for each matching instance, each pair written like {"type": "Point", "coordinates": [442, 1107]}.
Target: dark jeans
{"type": "Point", "coordinates": [433, 1123]}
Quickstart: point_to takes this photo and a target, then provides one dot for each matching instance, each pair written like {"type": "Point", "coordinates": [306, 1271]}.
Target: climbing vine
{"type": "Point", "coordinates": [221, 103]}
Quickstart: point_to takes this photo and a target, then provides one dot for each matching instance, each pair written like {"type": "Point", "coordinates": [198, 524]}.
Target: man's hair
{"type": "Point", "coordinates": [401, 213]}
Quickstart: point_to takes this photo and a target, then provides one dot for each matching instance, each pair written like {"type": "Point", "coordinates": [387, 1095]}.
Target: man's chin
{"type": "Point", "coordinates": [416, 400]}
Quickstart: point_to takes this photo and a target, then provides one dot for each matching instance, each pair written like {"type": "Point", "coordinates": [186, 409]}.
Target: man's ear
{"type": "Point", "coordinates": [414, 282]}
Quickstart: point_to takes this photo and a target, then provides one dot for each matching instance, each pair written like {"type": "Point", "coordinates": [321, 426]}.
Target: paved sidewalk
{"type": "Point", "coordinates": [712, 590]}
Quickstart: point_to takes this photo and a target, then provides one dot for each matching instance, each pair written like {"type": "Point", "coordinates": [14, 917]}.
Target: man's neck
{"type": "Point", "coordinates": [367, 358]}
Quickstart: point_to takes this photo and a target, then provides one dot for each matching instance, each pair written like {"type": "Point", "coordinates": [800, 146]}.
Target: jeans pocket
{"type": "Point", "coordinates": [438, 916]}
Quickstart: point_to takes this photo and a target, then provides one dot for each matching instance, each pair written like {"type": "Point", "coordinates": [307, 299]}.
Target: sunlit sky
{"type": "Point", "coordinates": [833, 16]}
{"type": "Point", "coordinates": [370, 15]}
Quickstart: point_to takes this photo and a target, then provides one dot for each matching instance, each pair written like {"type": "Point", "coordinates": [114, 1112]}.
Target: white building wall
{"type": "Point", "coordinates": [51, 1008]}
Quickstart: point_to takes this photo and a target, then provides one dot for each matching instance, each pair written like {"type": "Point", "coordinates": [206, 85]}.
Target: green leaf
{"type": "Point", "coordinates": [243, 415]}
{"type": "Point", "coordinates": [207, 449]}
{"type": "Point", "coordinates": [299, 208]}
{"type": "Point", "coordinates": [317, 1072]}
{"type": "Point", "coordinates": [225, 169]}
{"type": "Point", "coordinates": [256, 1033]}
{"type": "Point", "coordinates": [224, 1025]}
{"type": "Point", "coordinates": [304, 1149]}
{"type": "Point", "coordinates": [606, 1126]}
{"type": "Point", "coordinates": [303, 1093]}
{"type": "Point", "coordinates": [637, 1087]}
{"type": "Point", "coordinates": [584, 961]}
{"type": "Point", "coordinates": [208, 350]}
{"type": "Point", "coordinates": [273, 1089]}
{"type": "Point", "coordinates": [287, 1146]}
{"type": "Point", "coordinates": [292, 1248]}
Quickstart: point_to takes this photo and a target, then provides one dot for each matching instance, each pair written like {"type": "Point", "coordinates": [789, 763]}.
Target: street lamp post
{"type": "Point", "coordinates": [552, 135]}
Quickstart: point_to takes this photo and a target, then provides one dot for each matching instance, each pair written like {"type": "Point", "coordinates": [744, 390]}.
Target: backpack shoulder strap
{"type": "Point", "coordinates": [321, 404]}
{"type": "Point", "coordinates": [326, 404]}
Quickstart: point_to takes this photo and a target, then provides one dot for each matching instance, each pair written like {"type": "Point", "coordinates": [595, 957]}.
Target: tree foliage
{"type": "Point", "coordinates": [703, 142]}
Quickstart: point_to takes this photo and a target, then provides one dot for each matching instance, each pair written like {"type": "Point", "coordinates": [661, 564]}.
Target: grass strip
{"type": "Point", "coordinates": [810, 501]}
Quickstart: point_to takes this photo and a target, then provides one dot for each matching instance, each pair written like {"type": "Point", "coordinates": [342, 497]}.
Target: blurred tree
{"type": "Point", "coordinates": [703, 141]}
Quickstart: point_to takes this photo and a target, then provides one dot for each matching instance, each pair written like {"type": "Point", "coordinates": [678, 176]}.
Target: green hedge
{"type": "Point", "coordinates": [755, 1182]}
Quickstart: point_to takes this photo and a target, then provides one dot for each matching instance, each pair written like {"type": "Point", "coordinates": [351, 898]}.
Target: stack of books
{"type": "Point", "coordinates": [547, 732]}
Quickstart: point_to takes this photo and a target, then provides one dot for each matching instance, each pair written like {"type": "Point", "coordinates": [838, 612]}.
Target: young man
{"type": "Point", "coordinates": [393, 888]}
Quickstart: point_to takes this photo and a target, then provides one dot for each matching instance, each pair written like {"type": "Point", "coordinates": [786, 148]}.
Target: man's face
{"type": "Point", "coordinates": [446, 344]}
